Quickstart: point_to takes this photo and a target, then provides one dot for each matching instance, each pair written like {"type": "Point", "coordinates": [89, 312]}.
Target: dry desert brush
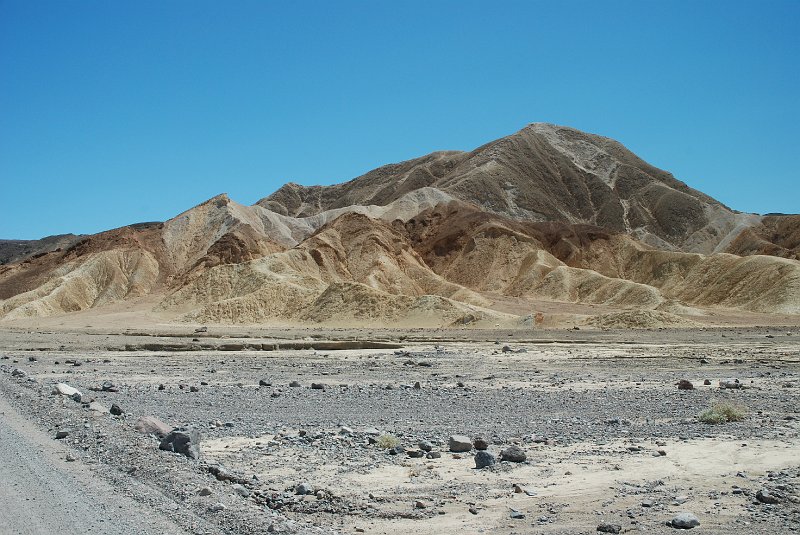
{"type": "Point", "coordinates": [721, 413]}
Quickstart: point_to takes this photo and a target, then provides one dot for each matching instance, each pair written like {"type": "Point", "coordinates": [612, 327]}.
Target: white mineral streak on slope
{"type": "Point", "coordinates": [584, 155]}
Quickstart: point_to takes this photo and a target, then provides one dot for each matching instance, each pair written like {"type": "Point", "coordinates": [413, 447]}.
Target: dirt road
{"type": "Point", "coordinates": [40, 492]}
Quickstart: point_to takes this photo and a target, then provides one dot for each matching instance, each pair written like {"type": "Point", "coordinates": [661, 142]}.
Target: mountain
{"type": "Point", "coordinates": [547, 226]}
{"type": "Point", "coordinates": [543, 173]}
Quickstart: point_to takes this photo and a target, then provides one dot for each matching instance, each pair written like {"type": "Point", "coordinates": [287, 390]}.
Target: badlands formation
{"type": "Point", "coordinates": [547, 227]}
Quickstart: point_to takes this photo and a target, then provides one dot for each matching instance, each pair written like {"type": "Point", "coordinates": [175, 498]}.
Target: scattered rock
{"type": "Point", "coordinates": [185, 441]}
{"type": "Point", "coordinates": [205, 491]}
{"type": "Point", "coordinates": [64, 389]}
{"type": "Point", "coordinates": [459, 444]}
{"type": "Point", "coordinates": [62, 434]}
{"type": "Point", "coordinates": [424, 445]}
{"type": "Point", "coordinates": [513, 454]}
{"type": "Point", "coordinates": [94, 406]}
{"type": "Point", "coordinates": [420, 505]}
{"type": "Point", "coordinates": [16, 372]}
{"type": "Point", "coordinates": [317, 386]}
{"type": "Point", "coordinates": [484, 459]}
{"type": "Point", "coordinates": [150, 425]}
{"type": "Point", "coordinates": [480, 443]}
{"type": "Point", "coordinates": [263, 382]}
{"type": "Point", "coordinates": [241, 490]}
{"type": "Point", "coordinates": [216, 508]}
{"type": "Point", "coordinates": [116, 410]}
{"type": "Point", "coordinates": [108, 386]}
{"type": "Point", "coordinates": [609, 528]}
{"type": "Point", "coordinates": [765, 496]}
{"type": "Point", "coordinates": [685, 384]}
{"type": "Point", "coordinates": [731, 383]}
{"type": "Point", "coordinates": [433, 455]}
{"type": "Point", "coordinates": [294, 384]}
{"type": "Point", "coordinates": [685, 521]}
{"type": "Point", "coordinates": [707, 382]}
{"type": "Point", "coordinates": [517, 515]}
{"type": "Point", "coordinates": [415, 454]}
{"type": "Point", "coordinates": [304, 488]}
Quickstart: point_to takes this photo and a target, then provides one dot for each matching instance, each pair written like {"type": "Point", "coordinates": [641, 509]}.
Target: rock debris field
{"type": "Point", "coordinates": [652, 431]}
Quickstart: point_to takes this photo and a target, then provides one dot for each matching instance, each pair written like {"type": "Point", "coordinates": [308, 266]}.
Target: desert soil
{"type": "Point", "coordinates": [591, 410]}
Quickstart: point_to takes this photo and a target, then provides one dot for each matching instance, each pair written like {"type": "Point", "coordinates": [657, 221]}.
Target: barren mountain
{"type": "Point", "coordinates": [546, 219]}
{"type": "Point", "coordinates": [543, 173]}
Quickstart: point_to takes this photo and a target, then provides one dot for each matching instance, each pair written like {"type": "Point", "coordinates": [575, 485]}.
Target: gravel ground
{"type": "Point", "coordinates": [591, 411]}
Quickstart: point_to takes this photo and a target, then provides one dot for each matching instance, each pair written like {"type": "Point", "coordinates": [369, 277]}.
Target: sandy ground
{"type": "Point", "coordinates": [591, 410]}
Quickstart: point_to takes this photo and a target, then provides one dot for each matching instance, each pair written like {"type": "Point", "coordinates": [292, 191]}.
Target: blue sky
{"type": "Point", "coordinates": [118, 112]}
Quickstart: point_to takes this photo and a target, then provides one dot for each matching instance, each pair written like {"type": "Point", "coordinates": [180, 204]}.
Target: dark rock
{"type": "Point", "coordinates": [415, 454]}
{"type": "Point", "coordinates": [685, 384]}
{"type": "Point", "coordinates": [185, 441]}
{"type": "Point", "coordinates": [484, 459]}
{"type": "Point", "coordinates": [480, 443]}
{"type": "Point", "coordinates": [116, 410]}
{"type": "Point", "coordinates": [513, 454]}
{"type": "Point", "coordinates": [317, 386]}
{"type": "Point", "coordinates": [609, 528]}
{"type": "Point", "coordinates": [765, 496]}
{"type": "Point", "coordinates": [62, 434]}
{"type": "Point", "coordinates": [263, 382]}
{"type": "Point", "coordinates": [424, 445]}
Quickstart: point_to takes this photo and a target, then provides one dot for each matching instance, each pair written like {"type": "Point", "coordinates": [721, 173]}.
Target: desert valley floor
{"type": "Point", "coordinates": [608, 438]}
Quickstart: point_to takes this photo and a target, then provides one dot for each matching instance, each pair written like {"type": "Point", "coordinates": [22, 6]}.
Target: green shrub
{"type": "Point", "coordinates": [387, 441]}
{"type": "Point", "coordinates": [721, 413]}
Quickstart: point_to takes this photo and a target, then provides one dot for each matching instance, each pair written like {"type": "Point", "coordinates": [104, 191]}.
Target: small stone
{"type": "Point", "coordinates": [517, 515]}
{"type": "Point", "coordinates": [264, 382]}
{"type": "Point", "coordinates": [424, 445]}
{"type": "Point", "coordinates": [609, 528]}
{"type": "Point", "coordinates": [62, 434]}
{"type": "Point", "coordinates": [765, 496]}
{"type": "Point", "coordinates": [459, 444]}
{"type": "Point", "coordinates": [433, 455]}
{"type": "Point", "coordinates": [706, 382]}
{"type": "Point", "coordinates": [685, 384]}
{"type": "Point", "coordinates": [241, 490]}
{"type": "Point", "coordinates": [98, 407]}
{"type": "Point", "coordinates": [473, 510]}
{"type": "Point", "coordinates": [415, 454]}
{"type": "Point", "coordinates": [396, 450]}
{"type": "Point", "coordinates": [730, 383]}
{"type": "Point", "coordinates": [417, 386]}
{"type": "Point", "coordinates": [484, 459]}
{"type": "Point", "coordinates": [205, 491]}
{"type": "Point", "coordinates": [70, 458]}
{"type": "Point", "coordinates": [194, 389]}
{"type": "Point", "coordinates": [18, 373]}
{"type": "Point", "coordinates": [216, 508]}
{"type": "Point", "coordinates": [317, 386]}
{"type": "Point", "coordinates": [685, 521]}
{"type": "Point", "coordinates": [294, 384]}
{"type": "Point", "coordinates": [108, 386]}
{"type": "Point", "coordinates": [480, 443]}
{"type": "Point", "coordinates": [513, 454]}
{"type": "Point", "coordinates": [304, 488]}
{"type": "Point", "coordinates": [420, 505]}
{"type": "Point", "coordinates": [116, 410]}
{"type": "Point", "coordinates": [161, 387]}
{"type": "Point", "coordinates": [507, 349]}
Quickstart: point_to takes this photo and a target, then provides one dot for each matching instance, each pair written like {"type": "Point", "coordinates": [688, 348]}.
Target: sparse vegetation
{"type": "Point", "coordinates": [721, 413]}
{"type": "Point", "coordinates": [387, 441]}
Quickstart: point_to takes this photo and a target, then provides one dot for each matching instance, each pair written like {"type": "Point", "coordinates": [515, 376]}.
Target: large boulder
{"type": "Point", "coordinates": [63, 389]}
{"type": "Point", "coordinates": [459, 443]}
{"type": "Point", "coordinates": [513, 454]}
{"type": "Point", "coordinates": [183, 440]}
{"type": "Point", "coordinates": [150, 425]}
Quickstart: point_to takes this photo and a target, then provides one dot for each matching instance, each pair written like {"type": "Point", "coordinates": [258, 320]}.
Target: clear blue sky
{"type": "Point", "coordinates": [117, 112]}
